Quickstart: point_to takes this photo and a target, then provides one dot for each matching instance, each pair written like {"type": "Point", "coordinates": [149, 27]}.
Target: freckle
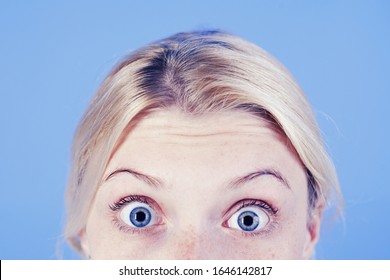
{"type": "Point", "coordinates": [186, 248]}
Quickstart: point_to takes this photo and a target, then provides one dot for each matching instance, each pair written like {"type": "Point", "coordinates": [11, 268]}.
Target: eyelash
{"type": "Point", "coordinates": [125, 200]}
{"type": "Point", "coordinates": [272, 211]}
{"type": "Point", "coordinates": [273, 214]}
{"type": "Point", "coordinates": [259, 203]}
{"type": "Point", "coordinates": [116, 206]}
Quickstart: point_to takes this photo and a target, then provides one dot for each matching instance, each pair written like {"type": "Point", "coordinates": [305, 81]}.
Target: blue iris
{"type": "Point", "coordinates": [248, 220]}
{"type": "Point", "coordinates": [140, 216]}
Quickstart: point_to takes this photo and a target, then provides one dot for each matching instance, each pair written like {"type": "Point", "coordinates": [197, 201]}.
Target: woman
{"type": "Point", "coordinates": [198, 146]}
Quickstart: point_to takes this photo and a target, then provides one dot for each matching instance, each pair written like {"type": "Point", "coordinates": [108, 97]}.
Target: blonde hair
{"type": "Point", "coordinates": [196, 72]}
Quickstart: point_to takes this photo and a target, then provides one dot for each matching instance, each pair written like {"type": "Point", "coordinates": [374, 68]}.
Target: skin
{"type": "Point", "coordinates": [194, 162]}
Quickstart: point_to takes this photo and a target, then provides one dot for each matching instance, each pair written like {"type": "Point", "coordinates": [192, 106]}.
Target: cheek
{"type": "Point", "coordinates": [287, 241]}
{"type": "Point", "coordinates": [266, 248]}
{"type": "Point", "coordinates": [106, 243]}
{"type": "Point", "coordinates": [102, 241]}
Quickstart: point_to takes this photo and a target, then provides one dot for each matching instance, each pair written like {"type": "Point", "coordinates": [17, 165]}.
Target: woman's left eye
{"type": "Point", "coordinates": [249, 218]}
{"type": "Point", "coordinates": [138, 215]}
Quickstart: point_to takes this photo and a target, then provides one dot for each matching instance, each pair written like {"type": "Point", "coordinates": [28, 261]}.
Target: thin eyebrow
{"type": "Point", "coordinates": [150, 180]}
{"type": "Point", "coordinates": [245, 179]}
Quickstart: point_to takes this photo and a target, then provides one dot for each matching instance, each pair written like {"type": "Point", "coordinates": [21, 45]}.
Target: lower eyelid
{"type": "Point", "coordinates": [133, 230]}
{"type": "Point", "coordinates": [269, 229]}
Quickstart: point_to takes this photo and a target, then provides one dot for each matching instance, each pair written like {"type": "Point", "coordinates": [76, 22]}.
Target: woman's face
{"type": "Point", "coordinates": [220, 186]}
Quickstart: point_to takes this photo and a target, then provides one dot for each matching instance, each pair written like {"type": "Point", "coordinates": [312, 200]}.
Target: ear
{"type": "Point", "coordinates": [313, 230]}
{"type": "Point", "coordinates": [84, 245]}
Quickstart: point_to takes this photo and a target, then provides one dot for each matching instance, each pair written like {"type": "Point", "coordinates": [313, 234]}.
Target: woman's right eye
{"type": "Point", "coordinates": [138, 215]}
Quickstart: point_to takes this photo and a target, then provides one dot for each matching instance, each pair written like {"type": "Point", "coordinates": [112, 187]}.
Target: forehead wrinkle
{"type": "Point", "coordinates": [207, 135]}
{"type": "Point", "coordinates": [204, 139]}
{"type": "Point", "coordinates": [210, 124]}
{"type": "Point", "coordinates": [150, 132]}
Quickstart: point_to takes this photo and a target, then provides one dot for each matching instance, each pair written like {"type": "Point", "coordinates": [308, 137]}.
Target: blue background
{"type": "Point", "coordinates": [53, 57]}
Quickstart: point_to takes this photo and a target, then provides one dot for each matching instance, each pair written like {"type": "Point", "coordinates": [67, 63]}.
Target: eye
{"type": "Point", "coordinates": [249, 218]}
{"type": "Point", "coordinates": [138, 215]}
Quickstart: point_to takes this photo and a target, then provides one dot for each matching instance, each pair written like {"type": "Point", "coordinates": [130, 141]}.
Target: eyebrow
{"type": "Point", "coordinates": [236, 183]}
{"type": "Point", "coordinates": [150, 180]}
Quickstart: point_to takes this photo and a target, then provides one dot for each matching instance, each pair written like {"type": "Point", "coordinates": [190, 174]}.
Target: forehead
{"type": "Point", "coordinates": [171, 144]}
{"type": "Point", "coordinates": [208, 128]}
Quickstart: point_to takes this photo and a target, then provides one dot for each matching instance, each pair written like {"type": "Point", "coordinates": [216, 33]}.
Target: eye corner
{"type": "Point", "coordinates": [225, 224]}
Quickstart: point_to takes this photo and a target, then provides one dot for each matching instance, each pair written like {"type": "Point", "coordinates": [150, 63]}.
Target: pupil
{"type": "Point", "coordinates": [140, 216]}
{"type": "Point", "coordinates": [248, 220]}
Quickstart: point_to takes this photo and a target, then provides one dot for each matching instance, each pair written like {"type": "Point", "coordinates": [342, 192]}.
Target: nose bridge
{"type": "Point", "coordinates": [193, 226]}
{"type": "Point", "coordinates": [192, 243]}
{"type": "Point", "coordinates": [187, 243]}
